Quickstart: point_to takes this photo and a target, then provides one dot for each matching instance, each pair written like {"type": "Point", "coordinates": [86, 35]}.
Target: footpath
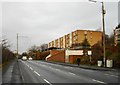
{"type": "Point", "coordinates": [87, 67]}
{"type": "Point", "coordinates": [11, 73]}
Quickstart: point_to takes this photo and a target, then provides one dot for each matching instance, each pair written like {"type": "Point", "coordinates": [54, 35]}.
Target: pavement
{"type": "Point", "coordinates": [7, 72]}
{"type": "Point", "coordinates": [11, 73]}
{"type": "Point", "coordinates": [86, 66]}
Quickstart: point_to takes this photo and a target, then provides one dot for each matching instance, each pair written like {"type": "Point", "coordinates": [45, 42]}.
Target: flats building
{"type": "Point", "coordinates": [76, 37]}
{"type": "Point", "coordinates": [117, 35]}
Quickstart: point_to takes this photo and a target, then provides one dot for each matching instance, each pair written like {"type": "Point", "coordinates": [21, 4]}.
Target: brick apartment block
{"type": "Point", "coordinates": [117, 35]}
{"type": "Point", "coordinates": [76, 37]}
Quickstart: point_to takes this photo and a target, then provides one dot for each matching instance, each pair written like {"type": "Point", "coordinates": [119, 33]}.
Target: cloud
{"type": "Point", "coordinates": [119, 12]}
{"type": "Point", "coordinates": [43, 22]}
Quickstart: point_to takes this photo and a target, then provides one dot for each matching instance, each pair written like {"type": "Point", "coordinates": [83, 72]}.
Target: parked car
{"type": "Point", "coordinates": [24, 58]}
{"type": "Point", "coordinates": [30, 58]}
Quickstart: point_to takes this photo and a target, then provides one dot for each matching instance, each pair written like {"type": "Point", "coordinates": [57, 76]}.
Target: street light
{"type": "Point", "coordinates": [103, 25]}
{"type": "Point", "coordinates": [18, 43]}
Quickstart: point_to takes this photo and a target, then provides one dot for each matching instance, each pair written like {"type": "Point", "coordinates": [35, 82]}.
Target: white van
{"type": "Point", "coordinates": [24, 58]}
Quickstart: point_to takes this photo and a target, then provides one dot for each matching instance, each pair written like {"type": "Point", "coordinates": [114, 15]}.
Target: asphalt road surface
{"type": "Point", "coordinates": [32, 71]}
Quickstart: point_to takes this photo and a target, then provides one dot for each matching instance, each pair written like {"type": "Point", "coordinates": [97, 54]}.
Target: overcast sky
{"type": "Point", "coordinates": [41, 22]}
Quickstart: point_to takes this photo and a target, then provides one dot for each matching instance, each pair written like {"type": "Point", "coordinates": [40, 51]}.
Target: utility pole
{"type": "Point", "coordinates": [17, 45]}
{"type": "Point", "coordinates": [103, 26]}
{"type": "Point", "coordinates": [103, 22]}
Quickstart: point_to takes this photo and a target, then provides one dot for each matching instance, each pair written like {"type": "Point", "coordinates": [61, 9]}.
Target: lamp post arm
{"type": "Point", "coordinates": [93, 1]}
{"type": "Point", "coordinates": [103, 22]}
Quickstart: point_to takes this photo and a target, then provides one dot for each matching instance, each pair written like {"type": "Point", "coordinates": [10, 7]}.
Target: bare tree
{"type": "Point", "coordinates": [6, 53]}
{"type": "Point", "coordinates": [33, 48]}
{"type": "Point", "coordinates": [0, 53]}
{"type": "Point", "coordinates": [44, 47]}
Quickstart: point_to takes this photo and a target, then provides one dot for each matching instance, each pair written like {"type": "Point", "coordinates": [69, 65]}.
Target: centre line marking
{"type": "Point", "coordinates": [98, 81]}
{"type": "Point", "coordinates": [26, 64]}
{"type": "Point", "coordinates": [71, 73]}
{"type": "Point", "coordinates": [57, 69]}
{"type": "Point", "coordinates": [37, 73]}
{"type": "Point", "coordinates": [31, 68]}
{"type": "Point", "coordinates": [47, 81]}
{"type": "Point", "coordinates": [50, 67]}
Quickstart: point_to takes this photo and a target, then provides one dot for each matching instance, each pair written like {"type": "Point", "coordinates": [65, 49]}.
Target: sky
{"type": "Point", "coordinates": [119, 12]}
{"type": "Point", "coordinates": [41, 22]}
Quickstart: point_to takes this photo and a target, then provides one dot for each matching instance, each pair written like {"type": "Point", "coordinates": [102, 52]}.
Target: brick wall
{"type": "Point", "coordinates": [58, 56]}
{"type": "Point", "coordinates": [38, 55]}
{"type": "Point", "coordinates": [73, 58]}
{"type": "Point", "coordinates": [53, 52]}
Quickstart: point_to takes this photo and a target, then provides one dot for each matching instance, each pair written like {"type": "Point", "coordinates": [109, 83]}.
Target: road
{"type": "Point", "coordinates": [43, 72]}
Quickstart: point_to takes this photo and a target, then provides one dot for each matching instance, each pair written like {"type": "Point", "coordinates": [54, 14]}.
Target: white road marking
{"type": "Point", "coordinates": [57, 69]}
{"type": "Point", "coordinates": [47, 81]}
{"type": "Point", "coordinates": [111, 75]}
{"type": "Point", "coordinates": [43, 65]}
{"type": "Point", "coordinates": [22, 75]}
{"type": "Point", "coordinates": [28, 65]}
{"type": "Point", "coordinates": [11, 70]}
{"type": "Point", "coordinates": [71, 73]}
{"type": "Point", "coordinates": [31, 68]}
{"type": "Point", "coordinates": [98, 81]}
{"type": "Point", "coordinates": [50, 67]}
{"type": "Point", "coordinates": [37, 73]}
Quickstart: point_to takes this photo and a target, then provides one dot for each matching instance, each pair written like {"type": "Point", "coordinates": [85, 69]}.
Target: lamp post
{"type": "Point", "coordinates": [17, 46]}
{"type": "Point", "coordinates": [103, 26]}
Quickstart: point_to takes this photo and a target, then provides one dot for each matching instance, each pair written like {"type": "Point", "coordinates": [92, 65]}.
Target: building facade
{"type": "Point", "coordinates": [77, 37]}
{"type": "Point", "coordinates": [117, 35]}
